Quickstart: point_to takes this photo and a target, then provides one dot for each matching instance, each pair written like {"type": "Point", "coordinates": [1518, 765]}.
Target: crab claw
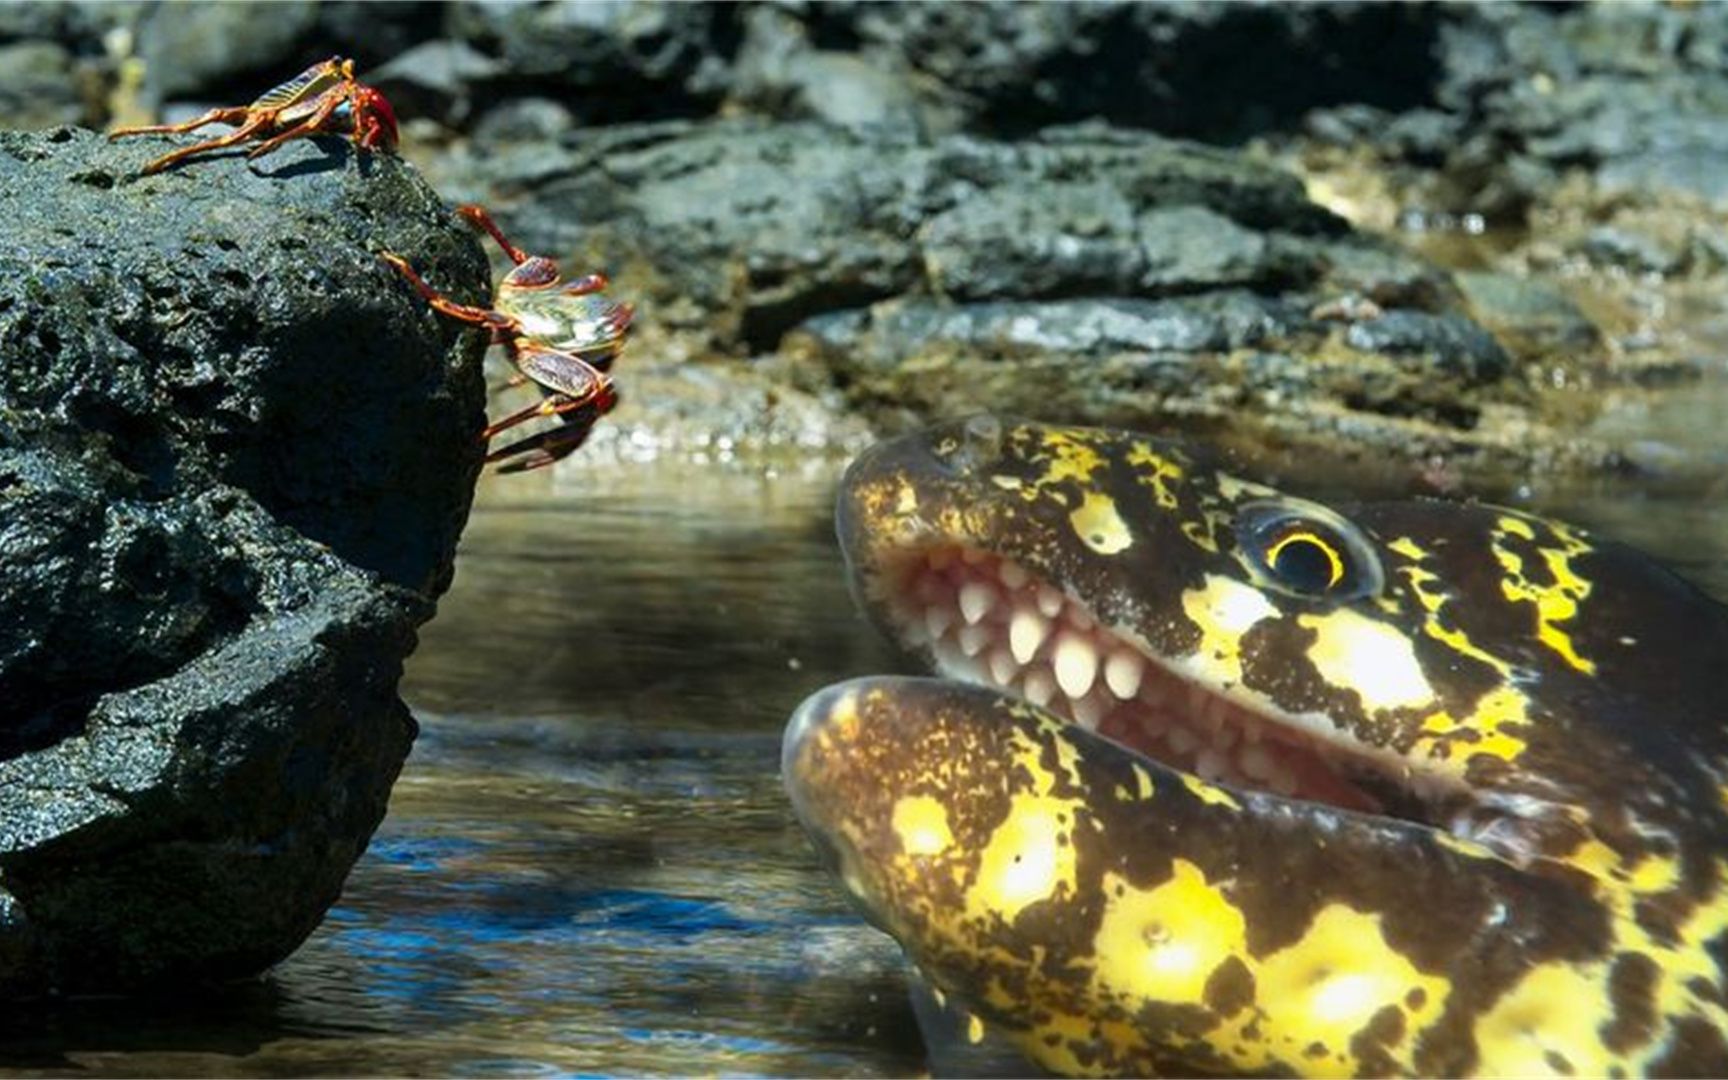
{"type": "Point", "coordinates": [374, 119]}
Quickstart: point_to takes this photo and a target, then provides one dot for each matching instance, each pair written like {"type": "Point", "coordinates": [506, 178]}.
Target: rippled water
{"type": "Point", "coordinates": [588, 865]}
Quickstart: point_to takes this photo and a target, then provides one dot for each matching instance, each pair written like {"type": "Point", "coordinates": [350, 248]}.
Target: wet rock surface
{"type": "Point", "coordinates": [1088, 274]}
{"type": "Point", "coordinates": [235, 456]}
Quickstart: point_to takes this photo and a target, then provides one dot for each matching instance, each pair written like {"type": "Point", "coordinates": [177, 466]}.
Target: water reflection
{"type": "Point", "coordinates": [588, 865]}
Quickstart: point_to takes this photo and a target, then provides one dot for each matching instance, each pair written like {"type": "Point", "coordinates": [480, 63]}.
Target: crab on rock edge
{"type": "Point", "coordinates": [324, 99]}
{"type": "Point", "coordinates": [561, 335]}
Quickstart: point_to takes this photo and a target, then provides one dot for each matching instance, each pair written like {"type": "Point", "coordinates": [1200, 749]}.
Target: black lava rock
{"type": "Point", "coordinates": [1090, 274]}
{"type": "Point", "coordinates": [236, 452]}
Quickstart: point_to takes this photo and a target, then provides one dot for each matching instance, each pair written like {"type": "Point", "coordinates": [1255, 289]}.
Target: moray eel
{"type": "Point", "coordinates": [1224, 781]}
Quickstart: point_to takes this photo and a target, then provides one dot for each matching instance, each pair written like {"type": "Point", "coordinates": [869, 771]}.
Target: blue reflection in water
{"type": "Point", "coordinates": [459, 946]}
{"type": "Point", "coordinates": [418, 854]}
{"type": "Point", "coordinates": [660, 915]}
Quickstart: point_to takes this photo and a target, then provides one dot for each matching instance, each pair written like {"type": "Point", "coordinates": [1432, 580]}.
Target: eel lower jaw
{"type": "Point", "coordinates": [987, 620]}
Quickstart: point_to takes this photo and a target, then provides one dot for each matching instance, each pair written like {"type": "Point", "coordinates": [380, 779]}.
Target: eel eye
{"type": "Point", "coordinates": [1304, 549]}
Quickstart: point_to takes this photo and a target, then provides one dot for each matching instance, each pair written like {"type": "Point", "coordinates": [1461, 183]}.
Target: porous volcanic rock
{"type": "Point", "coordinates": [1090, 274]}
{"type": "Point", "coordinates": [235, 456]}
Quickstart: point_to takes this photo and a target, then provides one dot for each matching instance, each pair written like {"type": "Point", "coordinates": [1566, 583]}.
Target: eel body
{"type": "Point", "coordinates": [1220, 780]}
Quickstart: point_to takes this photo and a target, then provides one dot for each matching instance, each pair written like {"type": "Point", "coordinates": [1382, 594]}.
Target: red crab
{"type": "Point", "coordinates": [323, 99]}
{"type": "Point", "coordinates": [562, 335]}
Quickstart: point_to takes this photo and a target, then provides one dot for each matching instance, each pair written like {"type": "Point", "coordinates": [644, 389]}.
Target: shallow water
{"type": "Point", "coordinates": [589, 866]}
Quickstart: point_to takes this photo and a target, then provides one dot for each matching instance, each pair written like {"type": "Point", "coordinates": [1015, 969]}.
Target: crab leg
{"type": "Point", "coordinates": [553, 405]}
{"type": "Point", "coordinates": [546, 448]}
{"type": "Point", "coordinates": [235, 114]}
{"type": "Point", "coordinates": [228, 116]}
{"type": "Point", "coordinates": [310, 126]}
{"type": "Point", "coordinates": [581, 394]}
{"type": "Point", "coordinates": [478, 216]}
{"type": "Point", "coordinates": [498, 323]}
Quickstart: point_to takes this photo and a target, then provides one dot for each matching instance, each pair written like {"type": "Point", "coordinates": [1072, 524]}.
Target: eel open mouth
{"type": "Point", "coordinates": [988, 620]}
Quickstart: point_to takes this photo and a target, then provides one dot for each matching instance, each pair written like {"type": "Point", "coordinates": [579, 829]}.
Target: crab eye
{"type": "Point", "coordinates": [1304, 549]}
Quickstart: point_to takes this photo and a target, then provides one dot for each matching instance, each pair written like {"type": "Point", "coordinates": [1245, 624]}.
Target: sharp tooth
{"type": "Point", "coordinates": [1152, 723]}
{"type": "Point", "coordinates": [1026, 632]}
{"type": "Point", "coordinates": [1012, 574]}
{"type": "Point", "coordinates": [976, 600]}
{"type": "Point", "coordinates": [1076, 664]}
{"type": "Point", "coordinates": [973, 639]}
{"type": "Point", "coordinates": [932, 589]}
{"type": "Point", "coordinates": [1050, 601]}
{"type": "Point", "coordinates": [1225, 737]}
{"type": "Point", "coordinates": [1255, 762]}
{"type": "Point", "coordinates": [1088, 711]}
{"type": "Point", "coordinates": [937, 620]}
{"type": "Point", "coordinates": [1211, 765]}
{"type": "Point", "coordinates": [1040, 686]}
{"type": "Point", "coordinates": [1181, 739]}
{"type": "Point", "coordinates": [949, 659]}
{"type": "Point", "coordinates": [913, 631]}
{"type": "Point", "coordinates": [1003, 666]}
{"type": "Point", "coordinates": [1122, 673]}
{"type": "Point", "coordinates": [1212, 714]}
{"type": "Point", "coordinates": [956, 665]}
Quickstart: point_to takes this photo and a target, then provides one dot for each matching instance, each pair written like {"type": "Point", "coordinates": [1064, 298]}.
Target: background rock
{"type": "Point", "coordinates": [1561, 130]}
{"type": "Point", "coordinates": [235, 455]}
{"type": "Point", "coordinates": [1089, 274]}
{"type": "Point", "coordinates": [1493, 102]}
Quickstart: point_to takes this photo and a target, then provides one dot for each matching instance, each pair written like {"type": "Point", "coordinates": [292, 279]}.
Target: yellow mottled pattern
{"type": "Point", "coordinates": [974, 1030]}
{"type": "Point", "coordinates": [1555, 1009]}
{"type": "Point", "coordinates": [1224, 609]}
{"type": "Point", "coordinates": [1026, 858]}
{"type": "Point", "coordinates": [1236, 489]}
{"type": "Point", "coordinates": [1555, 603]}
{"type": "Point", "coordinates": [1162, 944]}
{"type": "Point", "coordinates": [1054, 1040]}
{"type": "Point", "coordinates": [1156, 472]}
{"type": "Point", "coordinates": [1024, 863]}
{"type": "Point", "coordinates": [1143, 788]}
{"type": "Point", "coordinates": [1408, 548]}
{"type": "Point", "coordinates": [1144, 780]}
{"type": "Point", "coordinates": [1450, 742]}
{"type": "Point", "coordinates": [1201, 535]}
{"type": "Point", "coordinates": [1210, 794]}
{"type": "Point", "coordinates": [921, 823]}
{"type": "Point", "coordinates": [1326, 987]}
{"type": "Point", "coordinates": [1069, 459]}
{"type": "Point", "coordinates": [1099, 526]}
{"type": "Point", "coordinates": [1431, 594]}
{"type": "Point", "coordinates": [1370, 657]}
{"type": "Point", "coordinates": [1462, 846]}
{"type": "Point", "coordinates": [1552, 1019]}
